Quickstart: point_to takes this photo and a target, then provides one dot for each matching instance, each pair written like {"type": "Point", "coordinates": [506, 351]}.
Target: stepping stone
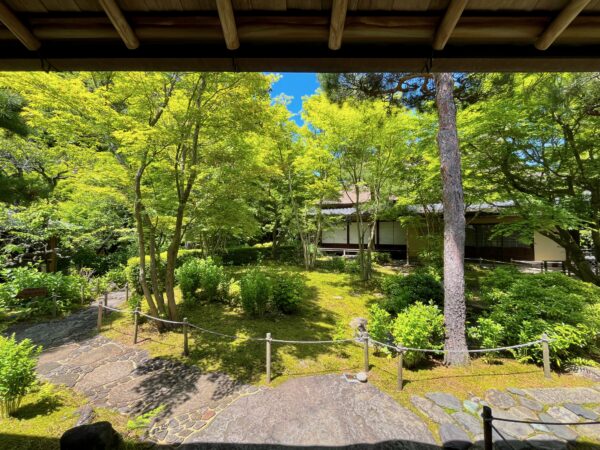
{"type": "Point", "coordinates": [517, 391]}
{"type": "Point", "coordinates": [581, 411]}
{"type": "Point", "coordinates": [471, 406]}
{"type": "Point", "coordinates": [444, 400]}
{"type": "Point", "coordinates": [557, 396]}
{"type": "Point", "coordinates": [431, 410]}
{"type": "Point", "coordinates": [562, 431]}
{"type": "Point", "coordinates": [562, 414]}
{"type": "Point", "coordinates": [531, 404]}
{"type": "Point", "coordinates": [499, 399]}
{"type": "Point", "coordinates": [453, 437]}
{"type": "Point", "coordinates": [516, 430]}
{"type": "Point", "coordinates": [540, 427]}
{"type": "Point", "coordinates": [590, 431]}
{"type": "Point", "coordinates": [469, 423]}
{"type": "Point", "coordinates": [547, 442]}
{"type": "Point", "coordinates": [517, 412]}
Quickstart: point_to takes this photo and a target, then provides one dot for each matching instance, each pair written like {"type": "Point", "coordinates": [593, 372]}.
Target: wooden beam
{"type": "Point", "coordinates": [16, 27]}
{"type": "Point", "coordinates": [448, 23]}
{"type": "Point", "coordinates": [336, 26]}
{"type": "Point", "coordinates": [227, 19]}
{"type": "Point", "coordinates": [120, 23]}
{"type": "Point", "coordinates": [560, 23]}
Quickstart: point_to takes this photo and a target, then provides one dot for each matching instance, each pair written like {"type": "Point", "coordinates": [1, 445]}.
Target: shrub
{"type": "Point", "coordinates": [567, 309]}
{"type": "Point", "coordinates": [379, 324]}
{"type": "Point", "coordinates": [239, 256]}
{"type": "Point", "coordinates": [419, 326]}
{"type": "Point", "coordinates": [64, 291]}
{"type": "Point", "coordinates": [132, 273]}
{"type": "Point", "coordinates": [381, 257]}
{"type": "Point", "coordinates": [201, 274]}
{"type": "Point", "coordinates": [487, 334]}
{"type": "Point", "coordinates": [17, 372]}
{"type": "Point", "coordinates": [287, 291]}
{"type": "Point", "coordinates": [255, 291]}
{"type": "Point", "coordinates": [333, 264]}
{"type": "Point", "coordinates": [403, 291]}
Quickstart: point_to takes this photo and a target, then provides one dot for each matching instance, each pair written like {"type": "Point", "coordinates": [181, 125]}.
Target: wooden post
{"type": "Point", "coordinates": [545, 266]}
{"type": "Point", "coordinates": [81, 294]}
{"type": "Point", "coordinates": [54, 307]}
{"type": "Point", "coordinates": [366, 352]}
{"type": "Point", "coordinates": [135, 324]}
{"type": "Point", "coordinates": [106, 299]}
{"type": "Point", "coordinates": [486, 415]}
{"type": "Point", "coordinates": [126, 292]}
{"type": "Point", "coordinates": [99, 316]}
{"type": "Point", "coordinates": [546, 356]}
{"type": "Point", "coordinates": [186, 350]}
{"type": "Point", "coordinates": [400, 368]}
{"type": "Point", "coordinates": [268, 357]}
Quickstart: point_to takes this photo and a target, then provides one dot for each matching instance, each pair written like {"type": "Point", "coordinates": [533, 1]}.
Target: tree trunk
{"type": "Point", "coordinates": [154, 261]}
{"type": "Point", "coordinates": [454, 223]}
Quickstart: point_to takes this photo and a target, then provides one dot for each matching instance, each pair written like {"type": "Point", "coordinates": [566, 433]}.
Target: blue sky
{"type": "Point", "coordinates": [296, 85]}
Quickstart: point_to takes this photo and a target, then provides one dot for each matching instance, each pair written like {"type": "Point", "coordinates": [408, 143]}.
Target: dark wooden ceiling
{"type": "Point", "coordinates": [301, 35]}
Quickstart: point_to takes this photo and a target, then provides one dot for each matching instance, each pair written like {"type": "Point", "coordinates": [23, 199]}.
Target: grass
{"type": "Point", "coordinates": [46, 414]}
{"type": "Point", "coordinates": [333, 299]}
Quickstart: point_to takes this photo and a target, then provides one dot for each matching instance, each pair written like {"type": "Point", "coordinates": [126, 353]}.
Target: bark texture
{"type": "Point", "coordinates": [454, 223]}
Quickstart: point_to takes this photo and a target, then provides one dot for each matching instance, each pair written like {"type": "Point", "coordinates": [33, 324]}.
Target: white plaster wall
{"type": "Point", "coordinates": [547, 249]}
{"type": "Point", "coordinates": [335, 235]}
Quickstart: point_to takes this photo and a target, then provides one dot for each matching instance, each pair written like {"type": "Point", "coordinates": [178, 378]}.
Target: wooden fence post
{"type": "Point", "coordinates": [106, 298]}
{"type": "Point", "coordinates": [400, 368]}
{"type": "Point", "coordinates": [135, 324]}
{"type": "Point", "coordinates": [486, 415]}
{"type": "Point", "coordinates": [545, 266]}
{"type": "Point", "coordinates": [546, 355]}
{"type": "Point", "coordinates": [366, 352]}
{"type": "Point", "coordinates": [54, 305]}
{"type": "Point", "coordinates": [268, 357]}
{"type": "Point", "coordinates": [99, 316]}
{"type": "Point", "coordinates": [186, 350]}
{"type": "Point", "coordinates": [126, 292]}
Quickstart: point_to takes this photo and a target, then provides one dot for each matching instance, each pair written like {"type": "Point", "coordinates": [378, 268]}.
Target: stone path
{"type": "Point", "coordinates": [201, 409]}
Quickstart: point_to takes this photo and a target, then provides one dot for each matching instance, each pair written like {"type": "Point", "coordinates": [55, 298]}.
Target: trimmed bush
{"type": "Point", "coordinates": [132, 273]}
{"type": "Point", "coordinates": [255, 291]}
{"type": "Point", "coordinates": [240, 256]}
{"type": "Point", "coordinates": [64, 291]}
{"type": "Point", "coordinates": [17, 372]}
{"type": "Point", "coordinates": [419, 326]}
{"type": "Point", "coordinates": [487, 334]}
{"type": "Point", "coordinates": [287, 291]}
{"type": "Point", "coordinates": [402, 291]}
{"type": "Point", "coordinates": [381, 257]}
{"type": "Point", "coordinates": [333, 264]}
{"type": "Point", "coordinates": [379, 324]}
{"type": "Point", "coordinates": [201, 274]}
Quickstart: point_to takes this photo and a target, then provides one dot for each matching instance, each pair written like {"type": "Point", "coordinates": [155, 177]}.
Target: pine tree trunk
{"type": "Point", "coordinates": [454, 223]}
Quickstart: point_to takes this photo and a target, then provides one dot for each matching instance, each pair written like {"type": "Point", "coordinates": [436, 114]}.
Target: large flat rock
{"type": "Point", "coordinates": [324, 410]}
{"type": "Point", "coordinates": [556, 396]}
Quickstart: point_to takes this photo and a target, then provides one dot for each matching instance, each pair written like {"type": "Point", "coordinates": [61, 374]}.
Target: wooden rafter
{"type": "Point", "coordinates": [560, 23]}
{"type": "Point", "coordinates": [230, 33]}
{"type": "Point", "coordinates": [448, 23]}
{"type": "Point", "coordinates": [336, 26]}
{"type": "Point", "coordinates": [120, 23]}
{"type": "Point", "coordinates": [16, 27]}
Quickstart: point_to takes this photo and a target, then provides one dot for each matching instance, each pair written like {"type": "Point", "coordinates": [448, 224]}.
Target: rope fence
{"type": "Point", "coordinates": [362, 339]}
{"type": "Point", "coordinates": [489, 428]}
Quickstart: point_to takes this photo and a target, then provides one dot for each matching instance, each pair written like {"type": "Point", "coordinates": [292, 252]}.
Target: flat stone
{"type": "Point", "coordinates": [562, 414]}
{"type": "Point", "coordinates": [105, 374]}
{"type": "Point", "coordinates": [86, 415]}
{"type": "Point", "coordinates": [540, 427]}
{"type": "Point", "coordinates": [469, 423]}
{"type": "Point", "coordinates": [68, 379]}
{"type": "Point", "coordinates": [547, 442]}
{"type": "Point", "coordinates": [499, 399]}
{"type": "Point", "coordinates": [431, 410]}
{"type": "Point", "coordinates": [208, 414]}
{"type": "Point", "coordinates": [444, 400]}
{"type": "Point", "coordinates": [557, 396]}
{"type": "Point", "coordinates": [581, 411]}
{"type": "Point", "coordinates": [516, 430]}
{"type": "Point", "coordinates": [517, 391]}
{"type": "Point", "coordinates": [589, 431]}
{"type": "Point", "coordinates": [531, 404]}
{"type": "Point", "coordinates": [98, 354]}
{"type": "Point", "coordinates": [562, 431]}
{"type": "Point", "coordinates": [454, 437]}
{"type": "Point", "coordinates": [517, 412]}
{"type": "Point", "coordinates": [315, 411]}
{"type": "Point", "coordinates": [471, 406]}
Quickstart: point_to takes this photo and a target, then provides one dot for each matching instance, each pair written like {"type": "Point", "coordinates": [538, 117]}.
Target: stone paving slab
{"type": "Point", "coordinates": [555, 396]}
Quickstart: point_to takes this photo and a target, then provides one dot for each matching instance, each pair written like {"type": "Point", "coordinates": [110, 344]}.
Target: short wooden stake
{"type": "Point", "coordinates": [366, 352]}
{"type": "Point", "coordinates": [126, 292]}
{"type": "Point", "coordinates": [106, 299]}
{"type": "Point", "coordinates": [186, 350]}
{"type": "Point", "coordinates": [268, 340]}
{"type": "Point", "coordinates": [486, 415]}
{"type": "Point", "coordinates": [546, 355]}
{"type": "Point", "coordinates": [135, 324]}
{"type": "Point", "coordinates": [400, 368]}
{"type": "Point", "coordinates": [54, 306]}
{"type": "Point", "coordinates": [99, 316]}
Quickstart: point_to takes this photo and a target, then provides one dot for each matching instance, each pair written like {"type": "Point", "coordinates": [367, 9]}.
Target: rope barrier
{"type": "Point", "coordinates": [333, 341]}
{"type": "Point", "coordinates": [116, 310]}
{"type": "Point", "coordinates": [537, 422]}
{"type": "Point", "coordinates": [230, 336]}
{"type": "Point", "coordinates": [477, 350]}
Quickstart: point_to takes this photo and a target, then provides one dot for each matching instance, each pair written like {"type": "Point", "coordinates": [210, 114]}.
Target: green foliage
{"type": "Point", "coordinates": [567, 309]}
{"type": "Point", "coordinates": [144, 420]}
{"type": "Point", "coordinates": [201, 274]}
{"type": "Point", "coordinates": [381, 257]}
{"type": "Point", "coordinates": [487, 334]}
{"type": "Point", "coordinates": [402, 291]}
{"type": "Point", "coordinates": [255, 292]}
{"type": "Point", "coordinates": [240, 256]}
{"type": "Point", "coordinates": [17, 372]}
{"type": "Point", "coordinates": [64, 291]}
{"type": "Point", "coordinates": [132, 273]}
{"type": "Point", "coordinates": [419, 326]}
{"type": "Point", "coordinates": [333, 264]}
{"type": "Point", "coordinates": [287, 291]}
{"type": "Point", "coordinates": [379, 324]}
{"type": "Point", "coordinates": [116, 276]}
